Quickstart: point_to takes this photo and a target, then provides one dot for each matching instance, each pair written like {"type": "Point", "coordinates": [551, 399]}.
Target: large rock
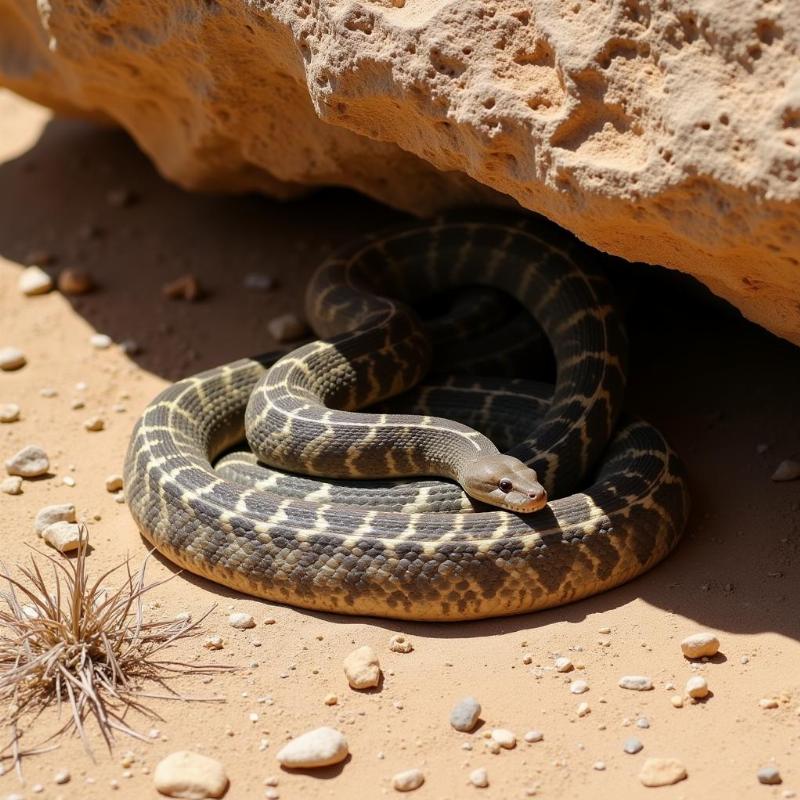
{"type": "Point", "coordinates": [663, 132]}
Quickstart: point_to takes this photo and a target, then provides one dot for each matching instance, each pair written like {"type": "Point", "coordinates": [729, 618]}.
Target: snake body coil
{"type": "Point", "coordinates": [305, 549]}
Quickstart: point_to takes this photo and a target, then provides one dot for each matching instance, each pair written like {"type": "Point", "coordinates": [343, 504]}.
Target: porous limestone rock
{"type": "Point", "coordinates": [662, 132]}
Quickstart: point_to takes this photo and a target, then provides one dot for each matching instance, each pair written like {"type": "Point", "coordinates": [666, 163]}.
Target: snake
{"type": "Point", "coordinates": [584, 498]}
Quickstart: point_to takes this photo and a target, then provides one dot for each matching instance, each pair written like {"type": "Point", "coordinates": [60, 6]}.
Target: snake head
{"type": "Point", "coordinates": [506, 482]}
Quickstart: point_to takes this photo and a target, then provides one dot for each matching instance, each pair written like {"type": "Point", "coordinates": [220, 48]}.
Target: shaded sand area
{"type": "Point", "coordinates": [726, 393]}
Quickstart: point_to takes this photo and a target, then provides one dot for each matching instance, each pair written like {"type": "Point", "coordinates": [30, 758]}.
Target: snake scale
{"type": "Point", "coordinates": [618, 496]}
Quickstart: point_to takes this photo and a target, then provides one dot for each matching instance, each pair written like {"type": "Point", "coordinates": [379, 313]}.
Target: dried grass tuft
{"type": "Point", "coordinates": [72, 643]}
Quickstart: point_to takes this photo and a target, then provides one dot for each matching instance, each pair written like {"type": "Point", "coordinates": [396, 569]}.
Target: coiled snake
{"type": "Point", "coordinates": [384, 551]}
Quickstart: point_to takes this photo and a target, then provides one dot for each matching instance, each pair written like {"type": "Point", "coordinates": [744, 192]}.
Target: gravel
{"type": "Point", "coordinates": [30, 462]}
{"type": "Point", "coordinates": [769, 776]}
{"type": "Point", "coordinates": [113, 483]}
{"type": "Point", "coordinates": [100, 341]}
{"type": "Point", "coordinates": [317, 748]}
{"type": "Point", "coordinates": [479, 777]}
{"type": "Point", "coordinates": [408, 780]}
{"type": "Point", "coordinates": [241, 621]}
{"type": "Point", "coordinates": [637, 683]}
{"type": "Point", "coordinates": [632, 745]}
{"type": "Point", "coordinates": [700, 645]}
{"type": "Point", "coordinates": [34, 280]}
{"type": "Point", "coordinates": [12, 358]}
{"type": "Point", "coordinates": [9, 412]}
{"type": "Point", "coordinates": [94, 424]}
{"type": "Point", "coordinates": [362, 668]}
{"type": "Point", "coordinates": [190, 775]}
{"type": "Point", "coordinates": [465, 714]}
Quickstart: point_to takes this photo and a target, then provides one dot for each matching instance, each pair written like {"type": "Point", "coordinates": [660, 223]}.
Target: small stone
{"type": "Point", "coordinates": [605, 629]}
{"type": "Point", "coordinates": [94, 424]}
{"type": "Point", "coordinates": [479, 777]}
{"type": "Point", "coordinates": [599, 766]}
{"type": "Point", "coordinates": [677, 701]}
{"type": "Point", "coordinates": [12, 358]}
{"type": "Point", "coordinates": [64, 536]}
{"type": "Point", "coordinates": [362, 668]}
{"type": "Point", "coordinates": [100, 341]}
{"type": "Point", "coordinates": [259, 282]}
{"type": "Point", "coordinates": [787, 470]}
{"type": "Point", "coordinates": [769, 776]}
{"type": "Point", "coordinates": [48, 391]}
{"type": "Point", "coordinates": [317, 748]}
{"type": "Point", "coordinates": [12, 485]}
{"type": "Point", "coordinates": [287, 328]}
{"type": "Point", "coordinates": [643, 723]}
{"type": "Point", "coordinates": [68, 480]}
{"type": "Point", "coordinates": [131, 348]}
{"type": "Point", "coordinates": [34, 280]}
{"type": "Point", "coordinates": [187, 287]}
{"type": "Point", "coordinates": [241, 621]}
{"type": "Point", "coordinates": [583, 709]}
{"type": "Point", "coordinates": [400, 644]}
{"type": "Point", "coordinates": [465, 714]}
{"type": "Point", "coordinates": [697, 687]}
{"type": "Point", "coordinates": [564, 664]}
{"type": "Point", "coordinates": [30, 462]}
{"type": "Point", "coordinates": [9, 412]}
{"type": "Point", "coordinates": [408, 780]}
{"type": "Point", "coordinates": [64, 512]}
{"type": "Point", "coordinates": [214, 642]}
{"type": "Point", "coordinates": [637, 683]}
{"type": "Point", "coordinates": [331, 699]}
{"type": "Point", "coordinates": [578, 687]}
{"type": "Point", "coordinates": [74, 282]}
{"type": "Point", "coordinates": [504, 738]}
{"type": "Point", "coordinates": [768, 702]}
{"type": "Point", "coordinates": [533, 736]}
{"type": "Point", "coordinates": [632, 745]}
{"type": "Point", "coordinates": [61, 777]}
{"type": "Point", "coordinates": [119, 497]}
{"type": "Point", "coordinates": [113, 483]}
{"type": "Point", "coordinates": [190, 775]}
{"type": "Point", "coordinates": [662, 772]}
{"type": "Point", "coordinates": [699, 645]}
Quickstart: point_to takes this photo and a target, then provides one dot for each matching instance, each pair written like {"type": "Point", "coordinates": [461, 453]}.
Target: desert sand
{"type": "Point", "coordinates": [725, 392]}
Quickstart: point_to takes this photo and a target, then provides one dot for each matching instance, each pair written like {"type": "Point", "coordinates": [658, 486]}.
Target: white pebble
{"type": "Point", "coordinates": [400, 644]}
{"type": "Point", "coordinates": [479, 777]}
{"type": "Point", "coordinates": [700, 644]}
{"type": "Point", "coordinates": [599, 766]}
{"type": "Point", "coordinates": [64, 512]}
{"type": "Point", "coordinates": [362, 668]}
{"type": "Point", "coordinates": [11, 485]}
{"type": "Point", "coordinates": [408, 780]}
{"type": "Point", "coordinates": [214, 642]}
{"type": "Point", "coordinates": [787, 470]}
{"type": "Point", "coordinates": [241, 621]}
{"type": "Point", "coordinates": [100, 341]}
{"type": "Point", "coordinates": [697, 687]}
{"type": "Point", "coordinates": [34, 280]}
{"type": "Point", "coordinates": [638, 683]}
{"type": "Point", "coordinates": [533, 736]}
{"type": "Point", "coordinates": [632, 745]}
{"type": "Point", "coordinates": [583, 709]}
{"type": "Point", "coordinates": [578, 687]}
{"type": "Point", "coordinates": [317, 748]}
{"type": "Point", "coordinates": [190, 775]}
{"type": "Point", "coordinates": [662, 772]}
{"type": "Point", "coordinates": [68, 480]}
{"type": "Point", "coordinates": [505, 738]}
{"type": "Point", "coordinates": [465, 713]}
{"type": "Point", "coordinates": [286, 328]}
{"type": "Point", "coordinates": [9, 412]}
{"type": "Point", "coordinates": [64, 536]}
{"type": "Point", "coordinates": [94, 424]}
{"type": "Point", "coordinates": [62, 777]}
{"type": "Point", "coordinates": [12, 358]}
{"type": "Point", "coordinates": [30, 462]}
{"type": "Point", "coordinates": [564, 664]}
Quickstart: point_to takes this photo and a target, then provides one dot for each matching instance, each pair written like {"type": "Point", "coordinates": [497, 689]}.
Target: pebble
{"type": "Point", "coordinates": [100, 341]}
{"type": "Point", "coordinates": [68, 480]}
{"type": "Point", "coordinates": [317, 748]}
{"type": "Point", "coordinates": [12, 358]}
{"type": "Point", "coordinates": [130, 347]}
{"type": "Point", "coordinates": [113, 483]}
{"type": "Point", "coordinates": [632, 745]}
{"type": "Point", "coordinates": [479, 777]}
{"type": "Point", "coordinates": [662, 772]}
{"type": "Point", "coordinates": [331, 699]}
{"type": "Point", "coordinates": [48, 391]}
{"type": "Point", "coordinates": [638, 683]}
{"type": "Point", "coordinates": [769, 775]}
{"type": "Point", "coordinates": [46, 516]}
{"type": "Point", "coordinates": [768, 702]}
{"type": "Point", "coordinates": [187, 287]}
{"type": "Point", "coordinates": [533, 736]}
{"type": "Point", "coordinates": [62, 776]}
{"type": "Point", "coordinates": [697, 687]}
{"type": "Point", "coordinates": [583, 709]}
{"type": "Point", "coordinates": [578, 687]}
{"type": "Point", "coordinates": [11, 485]}
{"type": "Point", "coordinates": [287, 328]}
{"type": "Point", "coordinates": [400, 644]}
{"type": "Point", "coordinates": [34, 280]}
{"type": "Point", "coordinates": [9, 412]}
{"type": "Point", "coordinates": [362, 668]}
{"type": "Point", "coordinates": [64, 536]}
{"type": "Point", "coordinates": [74, 282]}
{"type": "Point", "coordinates": [408, 780]}
{"type": "Point", "coordinates": [190, 775]}
{"type": "Point", "coordinates": [643, 722]}
{"type": "Point", "coordinates": [259, 282]}
{"type": "Point", "coordinates": [30, 462]}
{"type": "Point", "coordinates": [787, 470]}
{"type": "Point", "coordinates": [94, 424]}
{"type": "Point", "coordinates": [677, 701]}
{"type": "Point", "coordinates": [214, 642]}
{"type": "Point", "coordinates": [504, 738]}
{"type": "Point", "coordinates": [599, 766]}
{"type": "Point", "coordinates": [241, 621]}
{"type": "Point", "coordinates": [699, 645]}
{"type": "Point", "coordinates": [465, 714]}
{"type": "Point", "coordinates": [564, 664]}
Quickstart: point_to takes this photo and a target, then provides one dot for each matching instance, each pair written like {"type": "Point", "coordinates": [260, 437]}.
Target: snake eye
{"type": "Point", "coordinates": [505, 485]}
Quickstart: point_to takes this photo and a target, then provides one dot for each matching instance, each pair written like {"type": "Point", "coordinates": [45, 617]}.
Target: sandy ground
{"type": "Point", "coordinates": [718, 387]}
